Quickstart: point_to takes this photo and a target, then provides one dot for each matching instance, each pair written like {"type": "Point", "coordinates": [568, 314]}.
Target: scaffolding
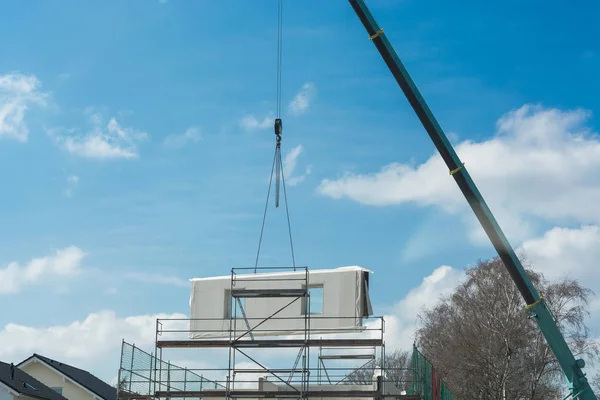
{"type": "Point", "coordinates": [298, 379]}
{"type": "Point", "coordinates": [237, 362]}
{"type": "Point", "coordinates": [299, 372]}
{"type": "Point", "coordinates": [327, 374]}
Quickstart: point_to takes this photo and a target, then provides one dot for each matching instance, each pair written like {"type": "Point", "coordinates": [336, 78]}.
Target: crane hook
{"type": "Point", "coordinates": [278, 129]}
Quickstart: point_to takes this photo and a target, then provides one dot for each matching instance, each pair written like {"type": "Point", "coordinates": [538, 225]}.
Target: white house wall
{"type": "Point", "coordinates": [344, 295]}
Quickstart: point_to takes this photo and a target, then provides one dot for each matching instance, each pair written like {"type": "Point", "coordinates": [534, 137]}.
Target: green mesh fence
{"type": "Point", "coordinates": [143, 374]}
{"type": "Point", "coordinates": [135, 372]}
{"type": "Point", "coordinates": [426, 382]}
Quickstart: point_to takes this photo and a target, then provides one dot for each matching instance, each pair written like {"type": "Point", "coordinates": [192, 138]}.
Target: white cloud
{"type": "Point", "coordinates": [441, 282]}
{"type": "Point", "coordinates": [567, 251]}
{"type": "Point", "coordinates": [303, 98]}
{"type": "Point", "coordinates": [191, 135]}
{"type": "Point", "coordinates": [110, 141]}
{"type": "Point", "coordinates": [246, 380]}
{"type": "Point", "coordinates": [294, 180]}
{"type": "Point", "coordinates": [401, 325]}
{"type": "Point", "coordinates": [64, 262]}
{"type": "Point", "coordinates": [72, 180]}
{"type": "Point", "coordinates": [289, 165]}
{"type": "Point", "coordinates": [251, 123]}
{"type": "Point", "coordinates": [570, 252]}
{"type": "Point", "coordinates": [17, 93]}
{"type": "Point", "coordinates": [92, 343]}
{"type": "Point", "coordinates": [157, 278]}
{"type": "Point", "coordinates": [290, 159]}
{"type": "Point", "coordinates": [542, 164]}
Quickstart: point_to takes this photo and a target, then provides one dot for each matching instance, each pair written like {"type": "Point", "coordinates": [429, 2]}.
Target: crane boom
{"type": "Point", "coordinates": [572, 368]}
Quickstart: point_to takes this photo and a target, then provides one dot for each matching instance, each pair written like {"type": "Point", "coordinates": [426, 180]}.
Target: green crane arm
{"type": "Point", "coordinates": [572, 368]}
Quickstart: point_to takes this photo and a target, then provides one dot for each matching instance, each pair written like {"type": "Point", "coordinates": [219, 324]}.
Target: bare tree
{"type": "Point", "coordinates": [396, 368]}
{"type": "Point", "coordinates": [595, 382]}
{"type": "Point", "coordinates": [483, 343]}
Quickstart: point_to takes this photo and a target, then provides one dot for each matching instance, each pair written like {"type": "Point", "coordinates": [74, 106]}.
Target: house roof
{"type": "Point", "coordinates": [84, 378]}
{"type": "Point", "coordinates": [25, 384]}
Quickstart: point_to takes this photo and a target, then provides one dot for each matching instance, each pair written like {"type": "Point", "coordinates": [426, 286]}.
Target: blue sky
{"type": "Point", "coordinates": [183, 89]}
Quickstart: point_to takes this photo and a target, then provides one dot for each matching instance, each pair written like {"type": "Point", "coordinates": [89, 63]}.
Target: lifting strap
{"type": "Point", "coordinates": [277, 166]}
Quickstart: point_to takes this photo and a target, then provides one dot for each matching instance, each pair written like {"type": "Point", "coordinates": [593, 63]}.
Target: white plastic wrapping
{"type": "Point", "coordinates": [345, 302]}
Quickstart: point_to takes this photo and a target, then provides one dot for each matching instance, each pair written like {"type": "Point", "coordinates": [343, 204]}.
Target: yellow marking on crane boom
{"type": "Point", "coordinates": [376, 34]}
{"type": "Point", "coordinates": [455, 170]}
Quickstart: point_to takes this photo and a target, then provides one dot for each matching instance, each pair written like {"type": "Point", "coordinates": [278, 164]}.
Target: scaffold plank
{"type": "Point", "coordinates": [281, 394]}
{"type": "Point", "coordinates": [348, 357]}
{"type": "Point", "coordinates": [133, 396]}
{"type": "Point", "coordinates": [270, 343]}
{"type": "Point", "coordinates": [269, 292]}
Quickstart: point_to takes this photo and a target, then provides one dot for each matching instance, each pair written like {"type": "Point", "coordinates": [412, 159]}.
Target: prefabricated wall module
{"type": "Point", "coordinates": [274, 303]}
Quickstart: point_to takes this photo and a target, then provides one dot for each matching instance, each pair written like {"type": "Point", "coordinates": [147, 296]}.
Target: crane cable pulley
{"type": "Point", "coordinates": [277, 166]}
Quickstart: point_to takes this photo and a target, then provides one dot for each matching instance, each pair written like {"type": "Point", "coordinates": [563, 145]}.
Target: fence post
{"type": "Point", "coordinates": [150, 376]}
{"type": "Point", "coordinates": [131, 369]}
{"type": "Point", "coordinates": [160, 375]}
{"type": "Point", "coordinates": [168, 376]}
{"type": "Point", "coordinates": [120, 369]}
